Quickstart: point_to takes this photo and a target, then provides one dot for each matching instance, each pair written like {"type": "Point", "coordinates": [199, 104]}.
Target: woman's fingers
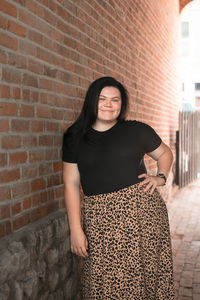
{"type": "Point", "coordinates": [81, 251]}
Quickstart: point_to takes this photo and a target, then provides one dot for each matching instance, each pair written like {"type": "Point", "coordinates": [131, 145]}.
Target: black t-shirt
{"type": "Point", "coordinates": [112, 159]}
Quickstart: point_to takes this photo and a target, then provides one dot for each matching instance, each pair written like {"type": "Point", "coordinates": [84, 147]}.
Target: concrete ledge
{"type": "Point", "coordinates": [36, 262]}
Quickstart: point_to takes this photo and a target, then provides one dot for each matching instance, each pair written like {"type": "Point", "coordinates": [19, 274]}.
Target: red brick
{"type": "Point", "coordinates": [11, 75]}
{"type": "Point", "coordinates": [9, 175]}
{"type": "Point", "coordinates": [26, 110]}
{"type": "Point", "coordinates": [37, 126]}
{"type": "Point", "coordinates": [11, 142]}
{"type": "Point", "coordinates": [3, 159]}
{"type": "Point", "coordinates": [27, 48]}
{"type": "Point", "coordinates": [36, 200]}
{"type": "Point", "coordinates": [3, 57]}
{"type": "Point", "coordinates": [26, 203]}
{"type": "Point", "coordinates": [49, 17]}
{"type": "Point", "coordinates": [21, 221]}
{"type": "Point", "coordinates": [3, 22]}
{"type": "Point", "coordinates": [35, 8]}
{"type": "Point", "coordinates": [54, 180]}
{"type": "Point", "coordinates": [20, 125]}
{"type": "Point", "coordinates": [36, 155]}
{"type": "Point", "coordinates": [43, 112]}
{"type": "Point", "coordinates": [5, 91]}
{"type": "Point", "coordinates": [21, 2]}
{"type": "Point", "coordinates": [16, 29]}
{"type": "Point", "coordinates": [46, 140]}
{"type": "Point", "coordinates": [8, 8]}
{"type": "Point", "coordinates": [52, 5]}
{"type": "Point", "coordinates": [29, 171]}
{"type": "Point", "coordinates": [30, 80]}
{"type": "Point", "coordinates": [5, 228]}
{"type": "Point", "coordinates": [8, 109]}
{"type": "Point", "coordinates": [4, 125]}
{"type": "Point", "coordinates": [57, 114]}
{"type": "Point", "coordinates": [43, 98]}
{"type": "Point", "coordinates": [5, 193]}
{"type": "Point", "coordinates": [45, 168]}
{"type": "Point", "coordinates": [35, 66]}
{"type": "Point", "coordinates": [19, 61]}
{"type": "Point", "coordinates": [52, 207]}
{"type": "Point", "coordinates": [57, 166]}
{"type": "Point", "coordinates": [16, 209]}
{"type": "Point", "coordinates": [38, 213]}
{"type": "Point", "coordinates": [38, 184]}
{"type": "Point", "coordinates": [30, 141]}
{"type": "Point", "coordinates": [34, 96]}
{"type": "Point", "coordinates": [45, 83]}
{"type": "Point", "coordinates": [20, 190]}
{"type": "Point", "coordinates": [51, 154]}
{"type": "Point", "coordinates": [4, 212]}
{"type": "Point", "coordinates": [52, 126]}
{"type": "Point", "coordinates": [17, 158]}
{"type": "Point", "coordinates": [27, 18]}
{"type": "Point", "coordinates": [16, 93]}
{"type": "Point", "coordinates": [8, 41]}
{"type": "Point", "coordinates": [26, 95]}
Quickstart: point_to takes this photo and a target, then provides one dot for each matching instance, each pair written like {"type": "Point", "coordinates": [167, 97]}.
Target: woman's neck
{"type": "Point", "coordinates": [103, 125]}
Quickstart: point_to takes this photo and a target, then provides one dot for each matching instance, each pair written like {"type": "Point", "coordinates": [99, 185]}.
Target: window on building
{"type": "Point", "coordinates": [185, 29]}
{"type": "Point", "coordinates": [197, 86]}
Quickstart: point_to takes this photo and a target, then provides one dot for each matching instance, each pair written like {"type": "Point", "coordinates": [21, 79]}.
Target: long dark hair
{"type": "Point", "coordinates": [89, 110]}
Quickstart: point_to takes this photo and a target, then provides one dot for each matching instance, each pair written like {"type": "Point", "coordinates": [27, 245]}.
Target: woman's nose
{"type": "Point", "coordinates": [108, 103]}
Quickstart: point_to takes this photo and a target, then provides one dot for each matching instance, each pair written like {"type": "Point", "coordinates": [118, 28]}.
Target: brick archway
{"type": "Point", "coordinates": [183, 3]}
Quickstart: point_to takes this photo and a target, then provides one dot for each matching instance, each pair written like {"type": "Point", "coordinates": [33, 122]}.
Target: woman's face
{"type": "Point", "coordinates": [109, 105]}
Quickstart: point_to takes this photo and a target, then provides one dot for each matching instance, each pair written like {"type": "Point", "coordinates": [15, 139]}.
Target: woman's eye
{"type": "Point", "coordinates": [101, 99]}
{"type": "Point", "coordinates": [115, 100]}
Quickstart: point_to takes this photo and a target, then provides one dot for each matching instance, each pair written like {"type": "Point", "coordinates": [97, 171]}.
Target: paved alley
{"type": "Point", "coordinates": [184, 216]}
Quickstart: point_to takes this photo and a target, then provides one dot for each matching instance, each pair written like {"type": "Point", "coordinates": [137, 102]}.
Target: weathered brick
{"type": "Point", "coordinates": [38, 184]}
{"type": "Point", "coordinates": [26, 203]}
{"type": "Point", "coordinates": [3, 159]}
{"type": "Point", "coordinates": [4, 212]}
{"type": "Point", "coordinates": [5, 193]}
{"type": "Point", "coordinates": [21, 221]}
{"type": "Point", "coordinates": [9, 175]}
{"type": "Point", "coordinates": [20, 125]}
{"type": "Point", "coordinates": [8, 8]}
{"type": "Point", "coordinates": [26, 110]}
{"type": "Point", "coordinates": [4, 125]}
{"type": "Point", "coordinates": [43, 112]}
{"type": "Point", "coordinates": [17, 158]}
{"type": "Point", "coordinates": [16, 29]}
{"type": "Point", "coordinates": [11, 142]}
{"type": "Point", "coordinates": [8, 42]}
{"type": "Point", "coordinates": [8, 109]}
{"type": "Point", "coordinates": [16, 208]}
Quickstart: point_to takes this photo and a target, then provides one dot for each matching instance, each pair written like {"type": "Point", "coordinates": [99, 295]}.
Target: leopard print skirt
{"type": "Point", "coordinates": [130, 253]}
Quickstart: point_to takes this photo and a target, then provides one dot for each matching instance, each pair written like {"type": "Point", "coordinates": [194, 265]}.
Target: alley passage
{"type": "Point", "coordinates": [184, 216]}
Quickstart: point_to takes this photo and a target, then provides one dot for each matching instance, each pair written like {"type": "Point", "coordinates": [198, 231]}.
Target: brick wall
{"type": "Point", "coordinates": [49, 53]}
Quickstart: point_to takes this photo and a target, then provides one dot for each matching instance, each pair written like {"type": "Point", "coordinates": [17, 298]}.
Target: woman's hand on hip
{"type": "Point", "coordinates": [151, 182]}
{"type": "Point", "coordinates": [79, 243]}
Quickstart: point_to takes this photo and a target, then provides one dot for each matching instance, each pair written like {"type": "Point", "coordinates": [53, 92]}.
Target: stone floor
{"type": "Point", "coordinates": [184, 216]}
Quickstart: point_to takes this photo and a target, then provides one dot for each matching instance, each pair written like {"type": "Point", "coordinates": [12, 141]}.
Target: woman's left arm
{"type": "Point", "coordinates": [164, 157]}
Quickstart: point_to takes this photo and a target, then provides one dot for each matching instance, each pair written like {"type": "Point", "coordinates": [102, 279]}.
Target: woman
{"type": "Point", "coordinates": [124, 238]}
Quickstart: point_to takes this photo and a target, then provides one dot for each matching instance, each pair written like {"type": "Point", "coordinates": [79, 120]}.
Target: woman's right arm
{"type": "Point", "coordinates": [71, 179]}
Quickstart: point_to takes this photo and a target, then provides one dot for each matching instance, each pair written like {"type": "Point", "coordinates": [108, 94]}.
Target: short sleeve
{"type": "Point", "coordinates": [69, 150]}
{"type": "Point", "coordinates": [150, 139]}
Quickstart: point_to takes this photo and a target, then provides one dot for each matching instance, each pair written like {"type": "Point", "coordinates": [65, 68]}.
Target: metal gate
{"type": "Point", "coordinates": [188, 142]}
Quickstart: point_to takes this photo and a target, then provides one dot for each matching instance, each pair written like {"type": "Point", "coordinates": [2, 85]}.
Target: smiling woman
{"type": "Point", "coordinates": [121, 230]}
{"type": "Point", "coordinates": [109, 107]}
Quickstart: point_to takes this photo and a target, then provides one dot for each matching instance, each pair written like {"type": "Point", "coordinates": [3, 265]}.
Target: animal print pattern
{"type": "Point", "coordinates": [129, 247]}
